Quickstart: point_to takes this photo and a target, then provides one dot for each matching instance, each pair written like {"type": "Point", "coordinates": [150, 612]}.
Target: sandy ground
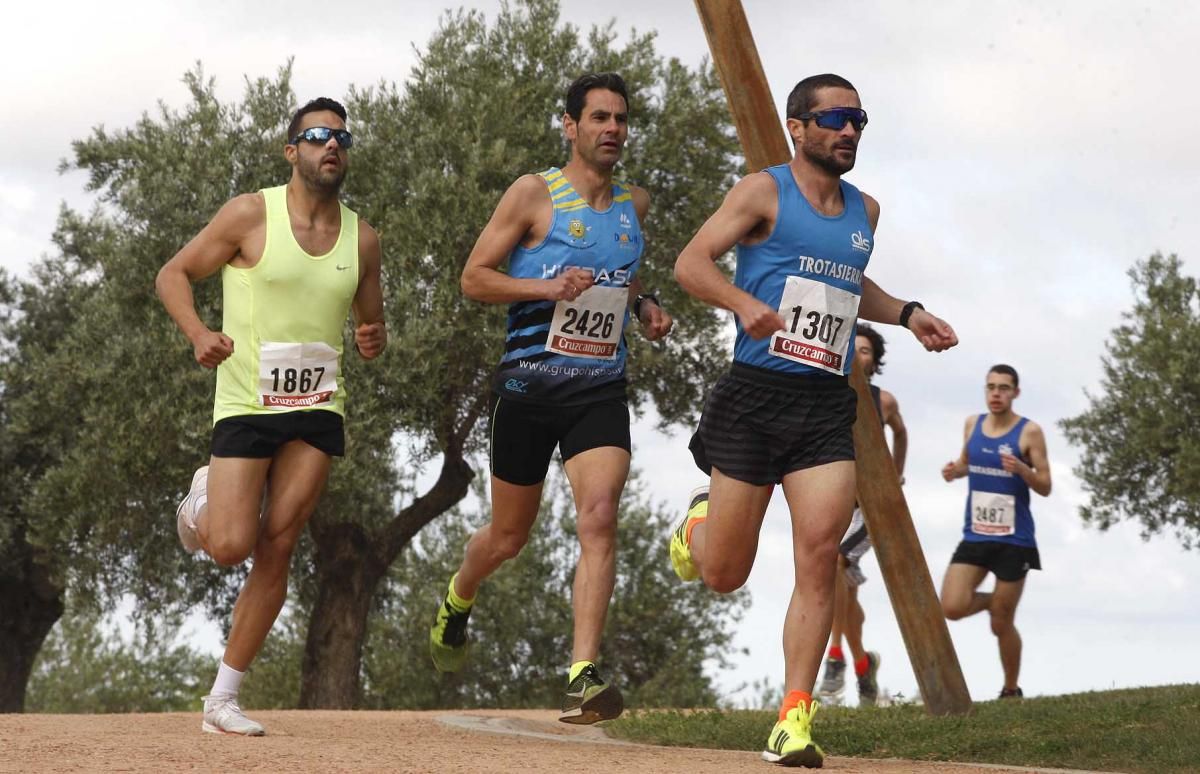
{"type": "Point", "coordinates": [468, 741]}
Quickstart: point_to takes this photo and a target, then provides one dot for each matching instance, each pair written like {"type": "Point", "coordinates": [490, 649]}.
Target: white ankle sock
{"type": "Point", "coordinates": [228, 681]}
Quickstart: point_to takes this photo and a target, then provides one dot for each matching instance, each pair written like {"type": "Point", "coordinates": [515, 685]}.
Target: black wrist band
{"type": "Point", "coordinates": [907, 311]}
{"type": "Point", "coordinates": [637, 303]}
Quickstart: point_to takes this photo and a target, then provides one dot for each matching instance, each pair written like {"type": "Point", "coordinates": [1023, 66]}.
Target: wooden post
{"type": "Point", "coordinates": [914, 600]}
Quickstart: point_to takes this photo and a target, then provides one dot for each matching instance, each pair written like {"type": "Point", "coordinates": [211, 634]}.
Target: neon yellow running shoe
{"type": "Point", "coordinates": [681, 550]}
{"type": "Point", "coordinates": [790, 742]}
{"type": "Point", "coordinates": [448, 643]}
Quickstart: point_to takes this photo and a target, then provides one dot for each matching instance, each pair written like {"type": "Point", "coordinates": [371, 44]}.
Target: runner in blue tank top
{"type": "Point", "coordinates": [1003, 457]}
{"type": "Point", "coordinates": [848, 613]}
{"type": "Point", "coordinates": [573, 242]}
{"type": "Point", "coordinates": [784, 412]}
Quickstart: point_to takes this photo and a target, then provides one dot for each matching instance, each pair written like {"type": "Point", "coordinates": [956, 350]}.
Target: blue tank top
{"type": "Point", "coordinates": [571, 353]}
{"type": "Point", "coordinates": [808, 246]}
{"type": "Point", "coordinates": [998, 503]}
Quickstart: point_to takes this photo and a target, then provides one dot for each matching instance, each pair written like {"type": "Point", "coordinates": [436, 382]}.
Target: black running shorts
{"type": "Point", "coordinates": [261, 435]}
{"type": "Point", "coordinates": [1007, 561]}
{"type": "Point", "coordinates": [759, 425]}
{"type": "Point", "coordinates": [523, 435]}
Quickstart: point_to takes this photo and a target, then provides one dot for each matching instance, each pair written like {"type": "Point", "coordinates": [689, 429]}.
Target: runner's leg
{"type": "Point", "coordinates": [820, 499]}
{"type": "Point", "coordinates": [597, 478]}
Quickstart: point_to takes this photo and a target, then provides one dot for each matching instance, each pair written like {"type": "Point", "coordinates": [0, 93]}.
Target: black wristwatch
{"type": "Point", "coordinates": [637, 303]}
{"type": "Point", "coordinates": [907, 311]}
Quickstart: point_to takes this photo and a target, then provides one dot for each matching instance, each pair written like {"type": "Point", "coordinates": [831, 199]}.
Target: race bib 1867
{"type": "Point", "coordinates": [296, 375]}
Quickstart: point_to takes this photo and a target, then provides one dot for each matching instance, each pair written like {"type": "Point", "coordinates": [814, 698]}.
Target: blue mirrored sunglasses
{"type": "Point", "coordinates": [837, 118]}
{"type": "Point", "coordinates": [321, 135]}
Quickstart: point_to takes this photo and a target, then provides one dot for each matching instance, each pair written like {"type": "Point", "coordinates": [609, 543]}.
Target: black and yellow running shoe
{"type": "Point", "coordinates": [448, 644]}
{"type": "Point", "coordinates": [589, 699]}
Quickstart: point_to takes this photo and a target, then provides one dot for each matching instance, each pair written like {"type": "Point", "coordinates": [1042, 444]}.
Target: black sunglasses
{"type": "Point", "coordinates": [321, 135]}
{"type": "Point", "coordinates": [837, 118]}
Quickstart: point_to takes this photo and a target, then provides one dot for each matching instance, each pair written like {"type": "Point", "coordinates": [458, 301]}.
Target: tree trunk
{"type": "Point", "coordinates": [347, 576]}
{"type": "Point", "coordinates": [30, 604]}
{"type": "Point", "coordinates": [350, 564]}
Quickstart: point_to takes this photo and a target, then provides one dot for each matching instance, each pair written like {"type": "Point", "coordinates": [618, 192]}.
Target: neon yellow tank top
{"type": "Point", "coordinates": [286, 316]}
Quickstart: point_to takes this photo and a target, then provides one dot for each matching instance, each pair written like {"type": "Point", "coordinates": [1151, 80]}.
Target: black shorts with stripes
{"type": "Point", "coordinates": [759, 425]}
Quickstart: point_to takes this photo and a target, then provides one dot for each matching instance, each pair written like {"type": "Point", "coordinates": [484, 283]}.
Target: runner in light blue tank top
{"type": "Point", "coordinates": [784, 412]}
{"type": "Point", "coordinates": [572, 239]}
{"type": "Point", "coordinates": [582, 360]}
{"type": "Point", "coordinates": [806, 249]}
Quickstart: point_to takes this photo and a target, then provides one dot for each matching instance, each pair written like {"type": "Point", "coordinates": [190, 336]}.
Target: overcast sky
{"type": "Point", "coordinates": [1025, 155]}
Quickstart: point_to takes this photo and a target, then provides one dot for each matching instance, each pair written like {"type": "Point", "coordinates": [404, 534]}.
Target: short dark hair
{"type": "Point", "coordinates": [804, 95]}
{"type": "Point", "coordinates": [312, 106]}
{"type": "Point", "coordinates": [1001, 368]}
{"type": "Point", "coordinates": [577, 91]}
{"type": "Point", "coordinates": [877, 348]}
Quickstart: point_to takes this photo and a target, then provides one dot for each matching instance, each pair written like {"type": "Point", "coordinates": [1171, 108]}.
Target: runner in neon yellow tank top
{"type": "Point", "coordinates": [293, 261]}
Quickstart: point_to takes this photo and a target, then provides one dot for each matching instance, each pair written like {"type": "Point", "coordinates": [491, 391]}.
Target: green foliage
{"type": "Point", "coordinates": [1141, 451]}
{"type": "Point", "coordinates": [1144, 730]}
{"type": "Point", "coordinates": [85, 666]}
{"type": "Point", "coordinates": [660, 633]}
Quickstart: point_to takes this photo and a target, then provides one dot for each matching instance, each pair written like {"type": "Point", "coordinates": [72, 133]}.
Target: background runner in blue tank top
{"type": "Point", "coordinates": [784, 412]}
{"type": "Point", "coordinates": [573, 240]}
{"type": "Point", "coordinates": [848, 613]}
{"type": "Point", "coordinates": [1003, 457]}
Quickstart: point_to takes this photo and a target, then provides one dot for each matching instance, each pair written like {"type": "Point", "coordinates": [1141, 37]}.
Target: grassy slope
{"type": "Point", "coordinates": [1142, 729]}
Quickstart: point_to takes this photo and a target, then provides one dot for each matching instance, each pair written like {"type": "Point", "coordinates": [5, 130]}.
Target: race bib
{"type": "Point", "coordinates": [296, 375]}
{"type": "Point", "coordinates": [589, 326]}
{"type": "Point", "coordinates": [820, 320]}
{"type": "Point", "coordinates": [993, 514]}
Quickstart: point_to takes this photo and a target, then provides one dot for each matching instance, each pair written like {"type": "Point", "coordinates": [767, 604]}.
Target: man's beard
{"type": "Point", "coordinates": [318, 181]}
{"type": "Point", "coordinates": [828, 162]}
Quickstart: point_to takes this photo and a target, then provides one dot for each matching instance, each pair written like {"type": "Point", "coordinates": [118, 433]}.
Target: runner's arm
{"type": "Point", "coordinates": [513, 218]}
{"type": "Point", "coordinates": [217, 244]}
{"type": "Point", "coordinates": [891, 410]}
{"type": "Point", "coordinates": [747, 205]}
{"type": "Point", "coordinates": [1037, 473]}
{"type": "Point", "coordinates": [877, 306]}
{"type": "Point", "coordinates": [370, 333]}
{"type": "Point", "coordinates": [958, 468]}
{"type": "Point", "coordinates": [655, 321]}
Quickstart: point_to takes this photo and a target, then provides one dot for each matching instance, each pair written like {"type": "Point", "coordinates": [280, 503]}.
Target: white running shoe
{"type": "Point", "coordinates": [222, 715]}
{"type": "Point", "coordinates": [185, 514]}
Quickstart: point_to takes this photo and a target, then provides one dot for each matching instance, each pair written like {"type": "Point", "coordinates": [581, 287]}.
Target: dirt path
{"type": "Point", "coordinates": [467, 741]}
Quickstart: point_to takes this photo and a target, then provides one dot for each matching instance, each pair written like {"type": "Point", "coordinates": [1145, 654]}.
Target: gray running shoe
{"type": "Point", "coordinates": [868, 686]}
{"type": "Point", "coordinates": [589, 699]}
{"type": "Point", "coordinates": [186, 513]}
{"type": "Point", "coordinates": [834, 682]}
{"type": "Point", "coordinates": [222, 715]}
